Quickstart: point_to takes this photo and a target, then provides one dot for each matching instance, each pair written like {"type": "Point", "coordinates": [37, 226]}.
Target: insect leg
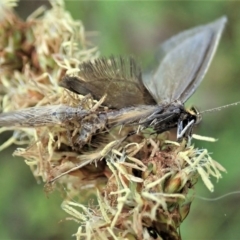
{"type": "Point", "coordinates": [181, 131]}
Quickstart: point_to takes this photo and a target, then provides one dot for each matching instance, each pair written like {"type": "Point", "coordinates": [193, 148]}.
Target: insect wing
{"type": "Point", "coordinates": [132, 114]}
{"type": "Point", "coordinates": [119, 78]}
{"type": "Point", "coordinates": [185, 61]}
{"type": "Point", "coordinates": [41, 116]}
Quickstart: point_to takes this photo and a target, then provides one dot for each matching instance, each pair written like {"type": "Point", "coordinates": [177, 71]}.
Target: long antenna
{"type": "Point", "coordinates": [220, 108]}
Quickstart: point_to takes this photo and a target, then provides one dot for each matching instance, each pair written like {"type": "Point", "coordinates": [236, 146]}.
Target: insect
{"type": "Point", "coordinates": [155, 100]}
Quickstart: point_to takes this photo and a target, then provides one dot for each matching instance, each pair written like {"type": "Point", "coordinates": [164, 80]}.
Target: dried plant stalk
{"type": "Point", "coordinates": [142, 183]}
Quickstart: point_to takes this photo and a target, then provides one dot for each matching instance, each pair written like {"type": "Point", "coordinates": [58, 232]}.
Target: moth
{"type": "Point", "coordinates": [155, 99]}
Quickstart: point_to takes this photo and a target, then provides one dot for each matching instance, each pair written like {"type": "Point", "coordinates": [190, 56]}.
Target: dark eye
{"type": "Point", "coordinates": [152, 232]}
{"type": "Point", "coordinates": [196, 114]}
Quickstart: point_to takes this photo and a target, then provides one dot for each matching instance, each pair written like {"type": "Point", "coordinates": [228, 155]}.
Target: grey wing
{"type": "Point", "coordinates": [184, 62]}
{"type": "Point", "coordinates": [119, 78]}
{"type": "Point", "coordinates": [41, 116]}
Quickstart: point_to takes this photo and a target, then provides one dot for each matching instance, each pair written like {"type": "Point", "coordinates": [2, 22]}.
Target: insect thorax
{"type": "Point", "coordinates": [168, 118]}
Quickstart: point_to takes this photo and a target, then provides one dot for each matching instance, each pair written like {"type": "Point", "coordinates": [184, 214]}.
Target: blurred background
{"type": "Point", "coordinates": [137, 28]}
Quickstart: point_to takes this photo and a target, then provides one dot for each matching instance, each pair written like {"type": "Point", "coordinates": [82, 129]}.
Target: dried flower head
{"type": "Point", "coordinates": [147, 192]}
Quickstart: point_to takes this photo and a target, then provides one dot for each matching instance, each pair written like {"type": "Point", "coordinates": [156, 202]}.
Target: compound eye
{"type": "Point", "coordinates": [198, 117]}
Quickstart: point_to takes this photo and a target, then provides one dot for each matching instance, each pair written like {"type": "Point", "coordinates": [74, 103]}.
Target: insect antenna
{"type": "Point", "coordinates": [220, 108]}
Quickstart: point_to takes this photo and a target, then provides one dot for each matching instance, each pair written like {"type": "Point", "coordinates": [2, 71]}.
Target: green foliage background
{"type": "Point", "coordinates": [137, 28]}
